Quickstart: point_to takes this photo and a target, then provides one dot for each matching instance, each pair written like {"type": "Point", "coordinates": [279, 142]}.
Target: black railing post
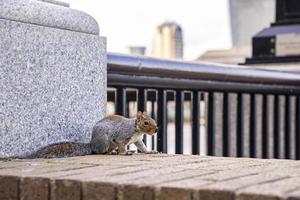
{"type": "Point", "coordinates": [142, 105]}
{"type": "Point", "coordinates": [121, 101]}
{"type": "Point", "coordinates": [196, 123]}
{"type": "Point", "coordinates": [277, 127]}
{"type": "Point", "coordinates": [297, 131]}
{"type": "Point", "coordinates": [287, 131]}
{"type": "Point", "coordinates": [153, 117]}
{"type": "Point", "coordinates": [226, 122]}
{"type": "Point", "coordinates": [127, 112]}
{"type": "Point", "coordinates": [179, 121]}
{"type": "Point", "coordinates": [162, 121]}
{"type": "Point", "coordinates": [142, 100]}
{"type": "Point", "coordinates": [210, 125]}
{"type": "Point", "coordinates": [252, 133]}
{"type": "Point", "coordinates": [265, 126]}
{"type": "Point", "coordinates": [240, 125]}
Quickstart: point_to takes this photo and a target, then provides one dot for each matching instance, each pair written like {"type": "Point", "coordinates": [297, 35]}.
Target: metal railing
{"type": "Point", "coordinates": [249, 112]}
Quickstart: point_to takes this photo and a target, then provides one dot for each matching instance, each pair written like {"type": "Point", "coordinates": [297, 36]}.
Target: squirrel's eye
{"type": "Point", "coordinates": [146, 123]}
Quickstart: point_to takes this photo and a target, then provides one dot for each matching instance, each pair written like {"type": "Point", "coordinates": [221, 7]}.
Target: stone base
{"type": "Point", "coordinates": [52, 86]}
{"type": "Point", "coordinates": [277, 44]}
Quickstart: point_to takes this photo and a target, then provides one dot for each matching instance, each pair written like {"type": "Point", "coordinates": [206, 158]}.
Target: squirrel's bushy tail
{"type": "Point", "coordinates": [60, 150]}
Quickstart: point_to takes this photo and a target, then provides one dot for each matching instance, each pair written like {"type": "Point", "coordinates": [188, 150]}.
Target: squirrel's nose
{"type": "Point", "coordinates": [156, 129]}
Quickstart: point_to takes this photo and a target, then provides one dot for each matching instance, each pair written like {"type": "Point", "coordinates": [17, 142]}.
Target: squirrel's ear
{"type": "Point", "coordinates": [144, 113]}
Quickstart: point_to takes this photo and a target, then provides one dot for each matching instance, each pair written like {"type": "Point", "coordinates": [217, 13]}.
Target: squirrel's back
{"type": "Point", "coordinates": [112, 129]}
{"type": "Point", "coordinates": [113, 125]}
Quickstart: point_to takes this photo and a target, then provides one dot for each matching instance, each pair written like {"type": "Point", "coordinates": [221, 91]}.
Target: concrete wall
{"type": "Point", "coordinates": [52, 75]}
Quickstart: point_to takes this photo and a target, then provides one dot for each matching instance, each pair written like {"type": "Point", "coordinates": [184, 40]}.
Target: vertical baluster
{"type": "Point", "coordinates": [226, 121]}
{"type": "Point", "coordinates": [179, 122]}
{"type": "Point", "coordinates": [287, 131]}
{"type": "Point", "coordinates": [195, 123]}
{"type": "Point", "coordinates": [276, 145]}
{"type": "Point", "coordinates": [154, 117]}
{"type": "Point", "coordinates": [265, 126]}
{"type": "Point", "coordinates": [297, 134]}
{"type": "Point", "coordinates": [142, 99]}
{"type": "Point", "coordinates": [127, 112]}
{"type": "Point", "coordinates": [210, 125]}
{"type": "Point", "coordinates": [252, 134]}
{"type": "Point", "coordinates": [111, 98]}
{"type": "Point", "coordinates": [162, 121]}
{"type": "Point", "coordinates": [142, 104]}
{"type": "Point", "coordinates": [240, 125]}
{"type": "Point", "coordinates": [121, 101]}
{"type": "Point", "coordinates": [110, 95]}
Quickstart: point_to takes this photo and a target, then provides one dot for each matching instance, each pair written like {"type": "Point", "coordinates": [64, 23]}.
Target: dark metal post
{"type": "Point", "coordinates": [210, 125]}
{"type": "Point", "coordinates": [240, 125]}
{"type": "Point", "coordinates": [265, 126]}
{"type": "Point", "coordinates": [297, 132]}
{"type": "Point", "coordinates": [162, 121]}
{"type": "Point", "coordinates": [179, 122]}
{"type": "Point", "coordinates": [121, 101]}
{"type": "Point", "coordinates": [142, 104]}
{"type": "Point", "coordinates": [195, 123]}
{"type": "Point", "coordinates": [142, 100]}
{"type": "Point", "coordinates": [252, 134]}
{"type": "Point", "coordinates": [127, 112]}
{"type": "Point", "coordinates": [287, 131]}
{"type": "Point", "coordinates": [276, 126]}
{"type": "Point", "coordinates": [153, 117]}
{"type": "Point", "coordinates": [226, 122]}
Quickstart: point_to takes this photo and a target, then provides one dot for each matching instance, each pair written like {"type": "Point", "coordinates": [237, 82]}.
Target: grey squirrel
{"type": "Point", "coordinates": [112, 133]}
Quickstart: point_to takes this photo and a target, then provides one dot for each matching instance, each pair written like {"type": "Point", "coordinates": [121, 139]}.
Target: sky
{"type": "Point", "coordinates": [205, 23]}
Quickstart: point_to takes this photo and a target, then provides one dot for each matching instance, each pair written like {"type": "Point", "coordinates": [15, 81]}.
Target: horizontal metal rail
{"type": "Point", "coordinates": [187, 75]}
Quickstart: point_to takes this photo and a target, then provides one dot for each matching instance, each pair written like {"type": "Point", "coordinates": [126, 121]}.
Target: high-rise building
{"type": "Point", "coordinates": [168, 41]}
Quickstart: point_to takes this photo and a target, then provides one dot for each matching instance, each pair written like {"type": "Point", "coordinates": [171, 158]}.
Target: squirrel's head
{"type": "Point", "coordinates": [146, 124]}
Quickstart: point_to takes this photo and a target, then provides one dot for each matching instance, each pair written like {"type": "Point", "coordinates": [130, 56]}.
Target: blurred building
{"type": "Point", "coordinates": [234, 55]}
{"type": "Point", "coordinates": [247, 17]}
{"type": "Point", "coordinates": [137, 50]}
{"type": "Point", "coordinates": [168, 41]}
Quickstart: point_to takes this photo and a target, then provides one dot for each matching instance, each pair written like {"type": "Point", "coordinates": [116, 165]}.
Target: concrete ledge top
{"type": "Point", "coordinates": [50, 13]}
{"type": "Point", "coordinates": [153, 177]}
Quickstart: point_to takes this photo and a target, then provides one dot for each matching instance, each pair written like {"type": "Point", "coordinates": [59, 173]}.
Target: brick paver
{"type": "Point", "coordinates": [150, 177]}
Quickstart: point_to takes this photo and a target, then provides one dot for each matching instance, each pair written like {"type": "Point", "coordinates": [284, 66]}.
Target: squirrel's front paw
{"type": "Point", "coordinates": [152, 152]}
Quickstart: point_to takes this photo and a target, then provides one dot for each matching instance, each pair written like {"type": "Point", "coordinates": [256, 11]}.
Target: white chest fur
{"type": "Point", "coordinates": [136, 137]}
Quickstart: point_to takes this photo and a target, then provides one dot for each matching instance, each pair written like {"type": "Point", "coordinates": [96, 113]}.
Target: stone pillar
{"type": "Point", "coordinates": [52, 75]}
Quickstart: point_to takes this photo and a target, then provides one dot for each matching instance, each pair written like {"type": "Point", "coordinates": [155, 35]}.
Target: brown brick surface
{"type": "Point", "coordinates": [206, 194]}
{"type": "Point", "coordinates": [259, 197]}
{"type": "Point", "coordinates": [65, 189]}
{"type": "Point", "coordinates": [270, 190]}
{"type": "Point", "coordinates": [98, 191]}
{"type": "Point", "coordinates": [34, 189]}
{"type": "Point", "coordinates": [168, 193]}
{"type": "Point", "coordinates": [9, 188]}
{"type": "Point", "coordinates": [136, 192]}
